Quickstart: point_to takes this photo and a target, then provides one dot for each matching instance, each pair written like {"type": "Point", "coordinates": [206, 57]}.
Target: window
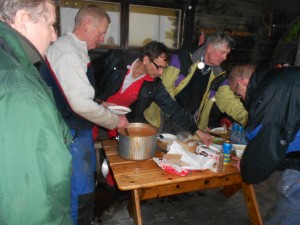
{"type": "Point", "coordinates": [153, 23]}
{"type": "Point", "coordinates": [68, 10]}
{"type": "Point", "coordinates": [146, 23]}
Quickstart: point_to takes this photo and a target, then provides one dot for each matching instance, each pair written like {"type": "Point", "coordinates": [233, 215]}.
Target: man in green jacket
{"type": "Point", "coordinates": [35, 163]}
{"type": "Point", "coordinates": [198, 83]}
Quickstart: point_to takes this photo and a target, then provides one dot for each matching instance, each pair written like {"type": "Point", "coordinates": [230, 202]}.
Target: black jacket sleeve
{"type": "Point", "coordinates": [155, 91]}
{"type": "Point", "coordinates": [273, 103]}
{"type": "Point", "coordinates": [169, 106]}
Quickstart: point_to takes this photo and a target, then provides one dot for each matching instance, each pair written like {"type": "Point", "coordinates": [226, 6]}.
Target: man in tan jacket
{"type": "Point", "coordinates": [198, 84]}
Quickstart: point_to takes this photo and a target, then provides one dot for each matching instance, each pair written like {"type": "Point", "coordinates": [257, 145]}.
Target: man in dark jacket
{"type": "Point", "coordinates": [125, 81]}
{"type": "Point", "coordinates": [273, 102]}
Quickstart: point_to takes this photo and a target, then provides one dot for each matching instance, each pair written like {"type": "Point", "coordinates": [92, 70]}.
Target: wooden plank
{"type": "Point", "coordinates": [159, 177]}
{"type": "Point", "coordinates": [116, 159]}
{"type": "Point", "coordinates": [112, 150]}
{"type": "Point", "coordinates": [108, 143]}
{"type": "Point", "coordinates": [134, 167]}
{"type": "Point", "coordinates": [145, 166]}
{"type": "Point", "coordinates": [189, 186]}
{"type": "Point", "coordinates": [251, 203]}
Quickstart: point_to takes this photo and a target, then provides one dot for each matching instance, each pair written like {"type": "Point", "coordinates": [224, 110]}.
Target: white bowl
{"type": "Point", "coordinates": [117, 109]}
{"type": "Point", "coordinates": [167, 137]}
{"type": "Point", "coordinates": [239, 149]}
{"type": "Point", "coordinates": [220, 130]}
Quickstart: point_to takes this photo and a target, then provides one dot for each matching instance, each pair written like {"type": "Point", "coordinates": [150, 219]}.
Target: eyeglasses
{"type": "Point", "coordinates": [157, 66]}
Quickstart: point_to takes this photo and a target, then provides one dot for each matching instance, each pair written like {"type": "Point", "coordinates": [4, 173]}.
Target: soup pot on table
{"type": "Point", "coordinates": [138, 142]}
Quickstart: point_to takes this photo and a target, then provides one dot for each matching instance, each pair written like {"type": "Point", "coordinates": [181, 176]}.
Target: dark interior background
{"type": "Point", "coordinates": [266, 31]}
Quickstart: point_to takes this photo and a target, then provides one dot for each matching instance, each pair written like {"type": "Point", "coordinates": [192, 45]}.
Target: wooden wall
{"type": "Point", "coordinates": [256, 25]}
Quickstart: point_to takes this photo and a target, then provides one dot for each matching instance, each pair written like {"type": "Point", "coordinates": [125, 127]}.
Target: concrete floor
{"type": "Point", "coordinates": [208, 207]}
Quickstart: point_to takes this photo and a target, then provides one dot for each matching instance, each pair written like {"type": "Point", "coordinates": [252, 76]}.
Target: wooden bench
{"type": "Point", "coordinates": [146, 180]}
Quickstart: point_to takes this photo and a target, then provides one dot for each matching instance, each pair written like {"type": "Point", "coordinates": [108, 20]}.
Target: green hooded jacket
{"type": "Point", "coordinates": [35, 163]}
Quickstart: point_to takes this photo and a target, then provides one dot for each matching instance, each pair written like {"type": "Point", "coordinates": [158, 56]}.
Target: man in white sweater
{"type": "Point", "coordinates": [72, 79]}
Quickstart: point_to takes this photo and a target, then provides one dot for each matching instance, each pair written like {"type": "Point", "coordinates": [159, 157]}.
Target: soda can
{"type": "Point", "coordinates": [226, 160]}
{"type": "Point", "coordinates": [227, 146]}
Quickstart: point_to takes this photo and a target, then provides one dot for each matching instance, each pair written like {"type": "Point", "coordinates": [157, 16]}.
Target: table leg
{"type": "Point", "coordinates": [251, 203]}
{"type": "Point", "coordinates": [135, 200]}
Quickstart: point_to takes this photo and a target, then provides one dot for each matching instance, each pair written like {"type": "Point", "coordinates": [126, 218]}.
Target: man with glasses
{"type": "Point", "coordinates": [123, 79]}
{"type": "Point", "coordinates": [195, 79]}
{"type": "Point", "coordinates": [135, 83]}
{"type": "Point", "coordinates": [273, 131]}
{"type": "Point", "coordinates": [159, 68]}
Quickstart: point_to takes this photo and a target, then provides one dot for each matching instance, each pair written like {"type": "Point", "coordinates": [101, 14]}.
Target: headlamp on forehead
{"type": "Point", "coordinates": [201, 64]}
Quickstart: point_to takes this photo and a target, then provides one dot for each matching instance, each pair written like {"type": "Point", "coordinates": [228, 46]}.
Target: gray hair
{"type": "Point", "coordinates": [216, 39]}
{"type": "Point", "coordinates": [220, 38]}
{"type": "Point", "coordinates": [35, 8]}
{"type": "Point", "coordinates": [94, 11]}
{"type": "Point", "coordinates": [240, 72]}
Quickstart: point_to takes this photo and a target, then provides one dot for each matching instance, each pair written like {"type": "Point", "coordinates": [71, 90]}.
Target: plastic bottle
{"type": "Point", "coordinates": [234, 129]}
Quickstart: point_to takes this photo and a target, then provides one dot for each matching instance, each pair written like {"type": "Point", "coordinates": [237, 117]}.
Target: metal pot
{"type": "Point", "coordinates": [138, 142]}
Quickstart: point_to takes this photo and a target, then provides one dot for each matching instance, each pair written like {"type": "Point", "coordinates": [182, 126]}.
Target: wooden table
{"type": "Point", "coordinates": [146, 180]}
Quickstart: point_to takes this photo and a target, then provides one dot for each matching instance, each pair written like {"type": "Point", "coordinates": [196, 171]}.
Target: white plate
{"type": "Point", "coordinates": [117, 109]}
{"type": "Point", "coordinates": [219, 130]}
{"type": "Point", "coordinates": [166, 137]}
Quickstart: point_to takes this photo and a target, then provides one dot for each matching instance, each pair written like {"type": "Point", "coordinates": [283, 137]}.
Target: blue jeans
{"type": "Point", "coordinates": [287, 209]}
{"type": "Point", "coordinates": [82, 181]}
